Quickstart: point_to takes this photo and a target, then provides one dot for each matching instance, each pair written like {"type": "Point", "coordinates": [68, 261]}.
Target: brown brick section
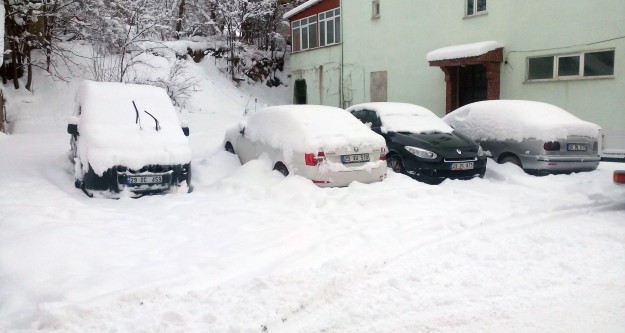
{"type": "Point", "coordinates": [317, 8]}
{"type": "Point", "coordinates": [491, 60]}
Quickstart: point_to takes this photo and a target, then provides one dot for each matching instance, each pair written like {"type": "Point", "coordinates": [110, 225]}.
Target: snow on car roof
{"type": "Point", "coordinates": [308, 128]}
{"type": "Point", "coordinates": [110, 134]}
{"type": "Point", "coordinates": [518, 120]}
{"type": "Point", "coordinates": [405, 117]}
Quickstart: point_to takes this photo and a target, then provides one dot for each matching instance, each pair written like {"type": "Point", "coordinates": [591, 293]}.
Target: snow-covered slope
{"type": "Point", "coordinates": [251, 251]}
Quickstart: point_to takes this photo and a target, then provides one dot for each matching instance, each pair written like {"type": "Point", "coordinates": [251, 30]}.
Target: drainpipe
{"type": "Point", "coordinates": [341, 93]}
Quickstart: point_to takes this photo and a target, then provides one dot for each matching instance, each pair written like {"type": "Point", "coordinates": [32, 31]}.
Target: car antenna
{"type": "Point", "coordinates": [158, 127]}
{"type": "Point", "coordinates": [138, 119]}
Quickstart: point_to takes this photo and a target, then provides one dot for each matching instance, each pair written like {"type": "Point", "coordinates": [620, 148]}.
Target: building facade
{"type": "Point", "coordinates": [445, 54]}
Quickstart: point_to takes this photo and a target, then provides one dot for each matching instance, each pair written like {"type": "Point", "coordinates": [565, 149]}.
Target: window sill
{"type": "Point", "coordinates": [316, 48]}
{"type": "Point", "coordinates": [483, 13]}
{"type": "Point", "coordinates": [576, 78]}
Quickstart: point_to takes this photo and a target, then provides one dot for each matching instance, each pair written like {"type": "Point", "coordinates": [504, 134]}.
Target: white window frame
{"type": "Point", "coordinates": [299, 26]}
{"type": "Point", "coordinates": [475, 11]}
{"type": "Point", "coordinates": [555, 58]}
{"type": "Point", "coordinates": [375, 9]}
{"type": "Point", "coordinates": [336, 21]}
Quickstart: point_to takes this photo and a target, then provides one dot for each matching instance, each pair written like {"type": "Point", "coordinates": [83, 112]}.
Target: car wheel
{"type": "Point", "coordinates": [395, 163]}
{"type": "Point", "coordinates": [228, 147]}
{"type": "Point", "coordinates": [511, 159]}
{"type": "Point", "coordinates": [281, 168]}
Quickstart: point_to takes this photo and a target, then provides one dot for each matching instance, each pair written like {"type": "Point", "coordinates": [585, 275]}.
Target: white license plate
{"type": "Point", "coordinates": [576, 147]}
{"type": "Point", "coordinates": [135, 180]}
{"type": "Point", "coordinates": [461, 166]}
{"type": "Point", "coordinates": [355, 158]}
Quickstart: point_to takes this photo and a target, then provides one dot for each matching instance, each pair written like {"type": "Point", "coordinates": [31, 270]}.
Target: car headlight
{"type": "Point", "coordinates": [480, 151]}
{"type": "Point", "coordinates": [421, 153]}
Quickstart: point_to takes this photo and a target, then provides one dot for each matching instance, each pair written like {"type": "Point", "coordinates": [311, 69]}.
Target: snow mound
{"type": "Point", "coordinates": [518, 120]}
{"type": "Point", "coordinates": [405, 117]}
{"type": "Point", "coordinates": [306, 128]}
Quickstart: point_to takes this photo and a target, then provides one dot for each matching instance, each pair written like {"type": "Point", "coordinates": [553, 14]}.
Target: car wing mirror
{"type": "Point", "coordinates": [72, 129]}
{"type": "Point", "coordinates": [185, 130]}
{"type": "Point", "coordinates": [242, 131]}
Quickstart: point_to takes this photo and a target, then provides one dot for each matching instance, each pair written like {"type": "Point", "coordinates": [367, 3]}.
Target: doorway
{"type": "Point", "coordinates": [300, 93]}
{"type": "Point", "coordinates": [472, 84]}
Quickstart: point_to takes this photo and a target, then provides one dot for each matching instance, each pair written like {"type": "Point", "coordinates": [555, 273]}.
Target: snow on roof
{"type": "Point", "coordinates": [110, 134]}
{"type": "Point", "coordinates": [405, 117]}
{"type": "Point", "coordinates": [300, 8]}
{"type": "Point", "coordinates": [307, 128]}
{"type": "Point", "coordinates": [463, 51]}
{"type": "Point", "coordinates": [517, 120]}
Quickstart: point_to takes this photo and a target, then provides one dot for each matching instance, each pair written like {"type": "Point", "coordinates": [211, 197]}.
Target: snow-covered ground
{"type": "Point", "coordinates": [251, 251]}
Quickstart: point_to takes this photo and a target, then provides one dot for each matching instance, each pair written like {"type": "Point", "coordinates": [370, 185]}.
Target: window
{"type": "Point", "coordinates": [308, 33]}
{"type": "Point", "coordinates": [330, 27]}
{"type": "Point", "coordinates": [305, 33]}
{"type": "Point", "coordinates": [571, 66]}
{"type": "Point", "coordinates": [375, 10]}
{"type": "Point", "coordinates": [475, 7]}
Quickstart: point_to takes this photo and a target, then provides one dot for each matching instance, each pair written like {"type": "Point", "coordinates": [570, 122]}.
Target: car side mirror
{"type": "Point", "coordinates": [242, 131]}
{"type": "Point", "coordinates": [72, 129]}
{"type": "Point", "coordinates": [185, 130]}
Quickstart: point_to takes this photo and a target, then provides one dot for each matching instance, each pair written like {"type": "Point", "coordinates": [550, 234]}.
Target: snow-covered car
{"type": "Point", "coordinates": [322, 143]}
{"type": "Point", "coordinates": [128, 137]}
{"type": "Point", "coordinates": [420, 144]}
{"type": "Point", "coordinates": [619, 177]}
{"type": "Point", "coordinates": [540, 138]}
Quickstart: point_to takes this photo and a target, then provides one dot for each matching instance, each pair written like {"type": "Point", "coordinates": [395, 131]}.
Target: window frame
{"type": "Point", "coordinates": [581, 73]}
{"type": "Point", "coordinates": [336, 22]}
{"type": "Point", "coordinates": [474, 9]}
{"type": "Point", "coordinates": [375, 9]}
{"type": "Point", "coordinates": [300, 25]}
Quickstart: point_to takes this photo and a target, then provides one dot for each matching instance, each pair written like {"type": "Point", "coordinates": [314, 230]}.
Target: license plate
{"type": "Point", "coordinates": [136, 180]}
{"type": "Point", "coordinates": [461, 166]}
{"type": "Point", "coordinates": [576, 147]}
{"type": "Point", "coordinates": [355, 158]}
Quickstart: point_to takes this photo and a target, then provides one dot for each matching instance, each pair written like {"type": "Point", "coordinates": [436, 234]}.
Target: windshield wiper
{"type": "Point", "coordinates": [138, 119]}
{"type": "Point", "coordinates": [158, 127]}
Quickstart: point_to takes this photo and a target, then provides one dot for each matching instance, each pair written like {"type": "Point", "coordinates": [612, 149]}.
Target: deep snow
{"type": "Point", "coordinates": [251, 251]}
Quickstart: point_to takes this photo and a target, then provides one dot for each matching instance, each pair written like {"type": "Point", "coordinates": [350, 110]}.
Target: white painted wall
{"type": "Point", "coordinates": [406, 31]}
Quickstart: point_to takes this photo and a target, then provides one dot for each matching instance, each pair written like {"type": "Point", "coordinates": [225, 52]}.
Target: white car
{"type": "Point", "coordinates": [128, 137]}
{"type": "Point", "coordinates": [324, 144]}
{"type": "Point", "coordinates": [540, 138]}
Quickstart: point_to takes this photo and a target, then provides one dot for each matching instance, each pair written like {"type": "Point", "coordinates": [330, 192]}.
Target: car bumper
{"type": "Point", "coordinates": [436, 172]}
{"type": "Point", "coordinates": [559, 164]}
{"type": "Point", "coordinates": [344, 178]}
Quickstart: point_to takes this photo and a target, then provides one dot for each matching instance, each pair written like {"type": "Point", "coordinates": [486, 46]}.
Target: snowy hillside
{"type": "Point", "coordinates": [251, 251]}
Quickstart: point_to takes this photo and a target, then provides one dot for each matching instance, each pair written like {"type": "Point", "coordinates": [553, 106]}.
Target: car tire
{"type": "Point", "coordinates": [281, 168]}
{"type": "Point", "coordinates": [395, 163]}
{"type": "Point", "coordinates": [511, 159]}
{"type": "Point", "coordinates": [228, 147]}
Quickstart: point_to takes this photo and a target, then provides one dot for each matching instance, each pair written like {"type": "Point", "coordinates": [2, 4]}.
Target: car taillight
{"type": "Point", "coordinates": [312, 159]}
{"type": "Point", "coordinates": [552, 146]}
{"type": "Point", "coordinates": [619, 177]}
{"type": "Point", "coordinates": [383, 154]}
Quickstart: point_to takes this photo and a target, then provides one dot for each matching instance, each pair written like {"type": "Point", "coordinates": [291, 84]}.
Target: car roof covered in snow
{"type": "Point", "coordinates": [113, 133]}
{"type": "Point", "coordinates": [306, 128]}
{"type": "Point", "coordinates": [405, 117]}
{"type": "Point", "coordinates": [517, 120]}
